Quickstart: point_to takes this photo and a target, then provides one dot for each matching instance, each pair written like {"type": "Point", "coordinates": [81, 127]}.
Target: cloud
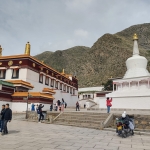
{"type": "Point", "coordinates": [57, 25]}
{"type": "Point", "coordinates": [81, 33]}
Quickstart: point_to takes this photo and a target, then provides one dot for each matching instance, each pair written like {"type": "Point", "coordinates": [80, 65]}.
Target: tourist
{"type": "Point", "coordinates": [2, 118]}
{"type": "Point", "coordinates": [65, 105]}
{"type": "Point", "coordinates": [77, 106]}
{"type": "Point", "coordinates": [58, 104]}
{"type": "Point", "coordinates": [108, 104]}
{"type": "Point", "coordinates": [37, 106]}
{"type": "Point", "coordinates": [51, 107]}
{"type": "Point", "coordinates": [40, 112]}
{"type": "Point", "coordinates": [7, 118]}
{"type": "Point", "coordinates": [33, 107]}
{"type": "Point", "coordinates": [62, 105]}
{"type": "Point", "coordinates": [84, 105]}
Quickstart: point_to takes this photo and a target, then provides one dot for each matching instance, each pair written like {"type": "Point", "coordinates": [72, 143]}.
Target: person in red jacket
{"type": "Point", "coordinates": [108, 104]}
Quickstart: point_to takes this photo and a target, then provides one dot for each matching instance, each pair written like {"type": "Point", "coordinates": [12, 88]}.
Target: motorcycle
{"type": "Point", "coordinates": [122, 129]}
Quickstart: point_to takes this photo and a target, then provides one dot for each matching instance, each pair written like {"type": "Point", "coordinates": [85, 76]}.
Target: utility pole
{"type": "Point", "coordinates": [28, 96]}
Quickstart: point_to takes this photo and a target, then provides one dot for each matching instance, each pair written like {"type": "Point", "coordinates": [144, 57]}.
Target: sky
{"type": "Point", "coordinates": [51, 25]}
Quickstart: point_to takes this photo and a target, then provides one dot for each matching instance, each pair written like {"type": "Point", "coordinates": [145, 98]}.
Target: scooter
{"type": "Point", "coordinates": [122, 129]}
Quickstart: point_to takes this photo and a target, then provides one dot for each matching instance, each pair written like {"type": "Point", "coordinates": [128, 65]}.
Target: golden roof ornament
{"type": "Point", "coordinates": [27, 49]}
{"type": "Point", "coordinates": [1, 50]}
{"type": "Point", "coordinates": [63, 71]}
{"type": "Point", "coordinates": [135, 37]}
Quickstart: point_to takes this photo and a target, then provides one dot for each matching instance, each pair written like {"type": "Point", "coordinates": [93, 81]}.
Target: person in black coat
{"type": "Point", "coordinates": [40, 112]}
{"type": "Point", "coordinates": [7, 118]}
{"type": "Point", "coordinates": [2, 118]}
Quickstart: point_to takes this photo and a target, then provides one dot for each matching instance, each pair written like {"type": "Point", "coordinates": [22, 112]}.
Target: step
{"type": "Point", "coordinates": [81, 117]}
{"type": "Point", "coordinates": [92, 115]}
{"type": "Point", "coordinates": [78, 125]}
{"type": "Point", "coordinates": [80, 121]}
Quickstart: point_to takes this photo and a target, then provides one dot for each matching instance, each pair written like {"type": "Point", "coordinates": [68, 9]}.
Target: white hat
{"type": "Point", "coordinates": [123, 115]}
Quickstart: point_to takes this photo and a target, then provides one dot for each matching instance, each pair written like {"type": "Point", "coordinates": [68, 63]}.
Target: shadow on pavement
{"type": "Point", "coordinates": [13, 131]}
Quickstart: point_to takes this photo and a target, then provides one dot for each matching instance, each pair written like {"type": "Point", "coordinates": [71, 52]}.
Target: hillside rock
{"type": "Point", "coordinates": [104, 59]}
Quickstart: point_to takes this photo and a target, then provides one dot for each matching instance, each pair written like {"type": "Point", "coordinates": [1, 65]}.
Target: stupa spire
{"type": "Point", "coordinates": [135, 45]}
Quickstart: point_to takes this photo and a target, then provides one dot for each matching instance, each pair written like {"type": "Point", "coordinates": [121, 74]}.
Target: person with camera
{"type": "Point", "coordinates": [40, 112]}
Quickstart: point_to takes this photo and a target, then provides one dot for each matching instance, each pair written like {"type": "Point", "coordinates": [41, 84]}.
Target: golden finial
{"type": "Point", "coordinates": [42, 61]}
{"type": "Point", "coordinates": [1, 50]}
{"type": "Point", "coordinates": [135, 37]}
{"type": "Point", "coordinates": [27, 49]}
{"type": "Point", "coordinates": [63, 71]}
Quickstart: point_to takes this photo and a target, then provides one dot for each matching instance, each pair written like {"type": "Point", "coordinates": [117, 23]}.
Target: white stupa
{"type": "Point", "coordinates": [133, 90]}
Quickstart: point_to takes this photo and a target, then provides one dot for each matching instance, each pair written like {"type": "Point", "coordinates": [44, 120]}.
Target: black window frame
{"type": "Point", "coordinates": [17, 74]}
{"type": "Point", "coordinates": [46, 78]}
{"type": "Point", "coordinates": [40, 78]}
{"type": "Point", "coordinates": [4, 74]}
{"type": "Point", "coordinates": [52, 81]}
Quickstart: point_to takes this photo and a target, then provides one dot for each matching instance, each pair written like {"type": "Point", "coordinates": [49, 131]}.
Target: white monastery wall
{"type": "Point", "coordinates": [91, 89]}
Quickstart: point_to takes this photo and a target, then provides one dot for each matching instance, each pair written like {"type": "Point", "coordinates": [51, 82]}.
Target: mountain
{"type": "Point", "coordinates": [106, 58]}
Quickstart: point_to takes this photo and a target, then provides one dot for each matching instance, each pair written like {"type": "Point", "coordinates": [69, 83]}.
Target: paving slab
{"type": "Point", "coordinates": [25, 135]}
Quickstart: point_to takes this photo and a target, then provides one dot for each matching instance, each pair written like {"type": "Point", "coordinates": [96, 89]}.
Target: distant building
{"type": "Point", "coordinates": [29, 76]}
{"type": "Point", "coordinates": [91, 96]}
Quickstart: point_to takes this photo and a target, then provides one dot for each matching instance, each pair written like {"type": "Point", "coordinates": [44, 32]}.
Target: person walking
{"type": "Point", "coordinates": [58, 104]}
{"type": "Point", "coordinates": [33, 107]}
{"type": "Point", "coordinates": [62, 105]}
{"type": "Point", "coordinates": [2, 118]}
{"type": "Point", "coordinates": [108, 104]}
{"type": "Point", "coordinates": [77, 106]}
{"type": "Point", "coordinates": [51, 107]}
{"type": "Point", "coordinates": [7, 118]}
{"type": "Point", "coordinates": [65, 105]}
{"type": "Point", "coordinates": [84, 105]}
{"type": "Point", "coordinates": [40, 112]}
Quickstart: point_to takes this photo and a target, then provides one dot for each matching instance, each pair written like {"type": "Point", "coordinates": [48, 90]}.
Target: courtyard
{"type": "Point", "coordinates": [25, 135]}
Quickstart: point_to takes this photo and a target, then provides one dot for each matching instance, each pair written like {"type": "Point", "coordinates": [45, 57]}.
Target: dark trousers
{"type": "Point", "coordinates": [77, 108]}
{"type": "Point", "coordinates": [41, 115]}
{"type": "Point", "coordinates": [1, 125]}
{"type": "Point", "coordinates": [108, 109]}
{"type": "Point", "coordinates": [5, 126]}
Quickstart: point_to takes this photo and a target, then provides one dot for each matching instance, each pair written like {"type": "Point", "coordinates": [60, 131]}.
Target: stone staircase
{"type": "Point", "coordinates": [82, 119]}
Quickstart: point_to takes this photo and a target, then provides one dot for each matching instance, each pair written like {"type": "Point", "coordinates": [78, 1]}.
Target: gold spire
{"type": "Point", "coordinates": [42, 61]}
{"type": "Point", "coordinates": [135, 37]}
{"type": "Point", "coordinates": [27, 49]}
{"type": "Point", "coordinates": [1, 50]}
{"type": "Point", "coordinates": [63, 71]}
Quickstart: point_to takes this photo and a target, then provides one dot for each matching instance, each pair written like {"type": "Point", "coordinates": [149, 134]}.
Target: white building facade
{"type": "Point", "coordinates": [33, 77]}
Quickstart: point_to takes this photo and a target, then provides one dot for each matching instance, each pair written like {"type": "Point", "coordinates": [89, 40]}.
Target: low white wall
{"type": "Point", "coordinates": [99, 88]}
{"type": "Point", "coordinates": [82, 102]}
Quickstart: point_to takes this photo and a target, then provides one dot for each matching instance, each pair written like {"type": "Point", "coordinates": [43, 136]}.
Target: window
{"type": "Point", "coordinates": [52, 82]}
{"type": "Point", "coordinates": [60, 86]}
{"type": "Point", "coordinates": [67, 89]}
{"type": "Point", "coordinates": [56, 84]}
{"type": "Point", "coordinates": [2, 74]}
{"type": "Point", "coordinates": [89, 96]}
{"type": "Point", "coordinates": [47, 81]}
{"type": "Point", "coordinates": [73, 91]}
{"type": "Point", "coordinates": [64, 87]}
{"type": "Point", "coordinates": [41, 78]}
{"type": "Point", "coordinates": [15, 74]}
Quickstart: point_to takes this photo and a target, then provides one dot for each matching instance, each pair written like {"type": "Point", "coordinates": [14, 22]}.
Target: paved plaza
{"type": "Point", "coordinates": [39, 136]}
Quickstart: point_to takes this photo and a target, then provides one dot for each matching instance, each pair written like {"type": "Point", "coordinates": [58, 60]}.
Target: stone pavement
{"type": "Point", "coordinates": [38, 136]}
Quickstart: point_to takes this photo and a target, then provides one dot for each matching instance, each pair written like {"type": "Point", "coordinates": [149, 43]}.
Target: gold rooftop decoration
{"type": "Point", "coordinates": [135, 37]}
{"type": "Point", "coordinates": [27, 49]}
{"type": "Point", "coordinates": [1, 50]}
{"type": "Point", "coordinates": [63, 71]}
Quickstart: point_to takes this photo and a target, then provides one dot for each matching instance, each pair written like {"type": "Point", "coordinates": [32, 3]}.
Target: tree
{"type": "Point", "coordinates": [108, 86]}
